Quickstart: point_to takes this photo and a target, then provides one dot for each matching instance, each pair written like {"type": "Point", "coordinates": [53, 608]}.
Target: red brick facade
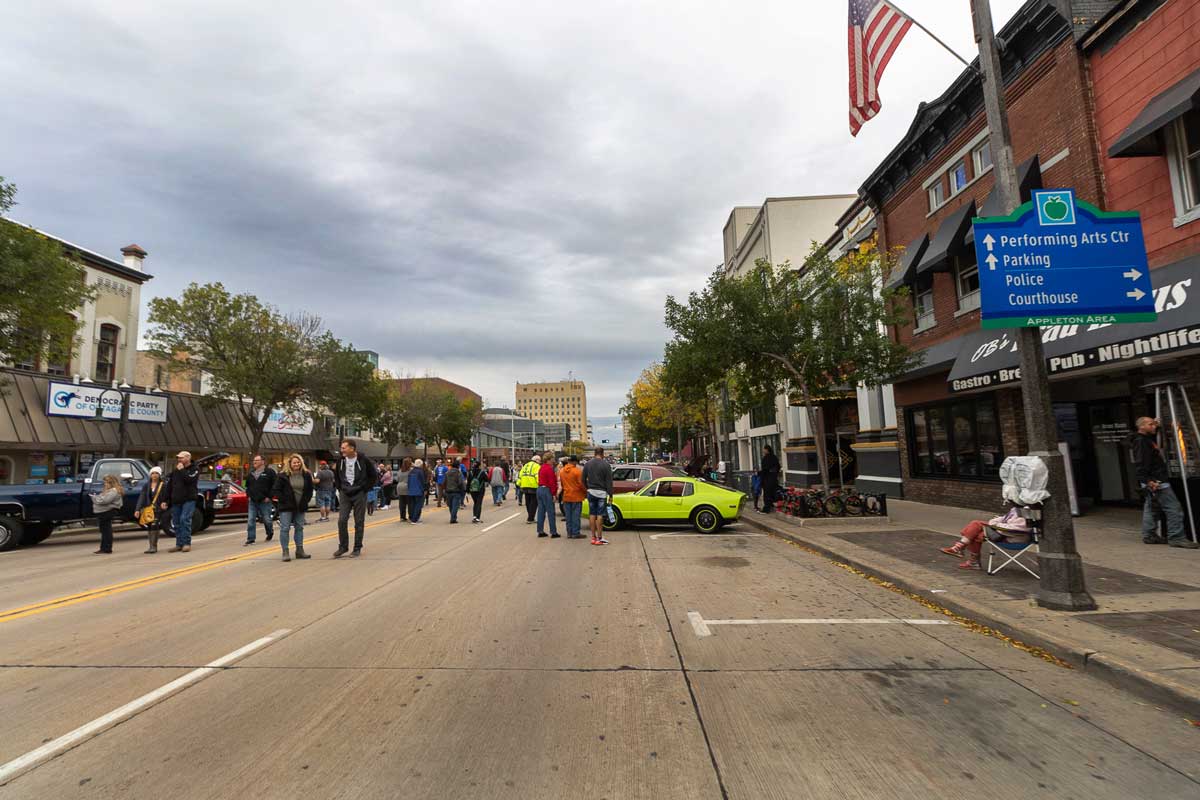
{"type": "Point", "coordinates": [1160, 51]}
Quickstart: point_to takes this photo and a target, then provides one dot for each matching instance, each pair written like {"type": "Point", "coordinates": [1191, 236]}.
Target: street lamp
{"type": "Point", "coordinates": [124, 422]}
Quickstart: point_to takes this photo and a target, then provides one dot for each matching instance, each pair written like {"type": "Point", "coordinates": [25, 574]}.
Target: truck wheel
{"type": "Point", "coordinates": [36, 532]}
{"type": "Point", "coordinates": [11, 531]}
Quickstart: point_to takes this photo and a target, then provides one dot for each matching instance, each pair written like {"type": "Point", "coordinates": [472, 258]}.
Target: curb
{"type": "Point", "coordinates": [1112, 670]}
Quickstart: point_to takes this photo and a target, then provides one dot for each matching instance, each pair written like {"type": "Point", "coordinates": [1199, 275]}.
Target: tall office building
{"type": "Point", "coordinates": [560, 401]}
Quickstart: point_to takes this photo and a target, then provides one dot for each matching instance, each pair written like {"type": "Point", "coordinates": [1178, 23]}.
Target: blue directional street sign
{"type": "Point", "coordinates": [1057, 260]}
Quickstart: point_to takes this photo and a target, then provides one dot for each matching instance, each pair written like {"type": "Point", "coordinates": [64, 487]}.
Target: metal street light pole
{"type": "Point", "coordinates": [1061, 568]}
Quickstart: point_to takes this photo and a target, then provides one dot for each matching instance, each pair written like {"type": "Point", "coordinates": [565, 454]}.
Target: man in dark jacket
{"type": "Point", "coordinates": [183, 485]}
{"type": "Point", "coordinates": [769, 477]}
{"type": "Point", "coordinates": [353, 477]}
{"type": "Point", "coordinates": [259, 485]}
{"type": "Point", "coordinates": [1154, 478]}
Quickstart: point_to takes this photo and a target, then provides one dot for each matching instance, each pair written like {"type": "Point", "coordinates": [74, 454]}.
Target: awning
{"type": "Point", "coordinates": [948, 240]}
{"type": "Point", "coordinates": [906, 271]}
{"type": "Point", "coordinates": [934, 359]}
{"type": "Point", "coordinates": [1141, 137]}
{"type": "Point", "coordinates": [864, 233]}
{"type": "Point", "coordinates": [989, 358]}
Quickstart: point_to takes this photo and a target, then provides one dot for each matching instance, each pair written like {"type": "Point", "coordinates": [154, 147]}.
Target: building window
{"type": "Point", "coordinates": [923, 307]}
{"type": "Point", "coordinates": [762, 415]}
{"type": "Point", "coordinates": [982, 158]}
{"type": "Point", "coordinates": [958, 177]}
{"type": "Point", "coordinates": [937, 195]}
{"type": "Point", "coordinates": [106, 353]}
{"type": "Point", "coordinates": [1185, 162]}
{"type": "Point", "coordinates": [955, 440]}
{"type": "Point", "coordinates": [196, 385]}
{"type": "Point", "coordinates": [966, 283]}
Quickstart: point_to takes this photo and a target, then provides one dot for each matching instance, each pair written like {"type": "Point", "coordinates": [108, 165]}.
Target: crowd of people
{"type": "Point", "coordinates": [354, 485]}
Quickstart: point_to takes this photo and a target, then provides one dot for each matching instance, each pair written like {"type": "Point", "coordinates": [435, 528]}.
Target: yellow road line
{"type": "Point", "coordinates": [150, 580]}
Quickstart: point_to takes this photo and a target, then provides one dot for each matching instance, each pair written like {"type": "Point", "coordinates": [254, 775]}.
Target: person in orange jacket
{"type": "Point", "coordinates": [573, 494]}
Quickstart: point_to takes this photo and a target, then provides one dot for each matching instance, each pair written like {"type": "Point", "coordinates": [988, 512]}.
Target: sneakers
{"type": "Point", "coordinates": [542, 535]}
{"type": "Point", "coordinates": [475, 521]}
{"type": "Point", "coordinates": [1154, 540]}
{"type": "Point", "coordinates": [103, 553]}
{"type": "Point", "coordinates": [556, 536]}
{"type": "Point", "coordinates": [355, 553]}
{"type": "Point", "coordinates": [601, 540]}
{"type": "Point", "coordinates": [955, 549]}
{"type": "Point", "coordinates": [174, 549]}
{"type": "Point", "coordinates": [247, 543]}
{"type": "Point", "coordinates": [1185, 544]}
{"type": "Point", "coordinates": [972, 562]}
{"type": "Point", "coordinates": [187, 548]}
{"type": "Point", "coordinates": [341, 551]}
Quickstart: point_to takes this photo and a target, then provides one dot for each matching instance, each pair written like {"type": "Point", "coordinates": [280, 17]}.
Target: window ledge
{"type": "Point", "coordinates": [1185, 218]}
{"type": "Point", "coordinates": [950, 197]}
{"type": "Point", "coordinates": [964, 311]}
{"type": "Point", "coordinates": [928, 327]}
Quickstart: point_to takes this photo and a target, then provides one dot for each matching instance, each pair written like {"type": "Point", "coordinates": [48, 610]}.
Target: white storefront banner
{"type": "Point", "coordinates": [296, 422]}
{"type": "Point", "coordinates": [73, 400]}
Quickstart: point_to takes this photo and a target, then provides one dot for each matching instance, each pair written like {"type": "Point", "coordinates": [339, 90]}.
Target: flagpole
{"type": "Point", "coordinates": [929, 33]}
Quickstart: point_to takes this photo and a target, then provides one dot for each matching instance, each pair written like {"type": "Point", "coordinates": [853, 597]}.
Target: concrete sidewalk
{"type": "Point", "coordinates": [1144, 637]}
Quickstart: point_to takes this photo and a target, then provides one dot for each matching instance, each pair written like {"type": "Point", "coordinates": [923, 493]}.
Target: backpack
{"type": "Point", "coordinates": [476, 483]}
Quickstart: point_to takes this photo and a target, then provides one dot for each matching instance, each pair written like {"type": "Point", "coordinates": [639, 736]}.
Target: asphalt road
{"type": "Point", "coordinates": [479, 661]}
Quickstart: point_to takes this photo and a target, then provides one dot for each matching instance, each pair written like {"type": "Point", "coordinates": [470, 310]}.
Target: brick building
{"type": "Point", "coordinates": [1107, 104]}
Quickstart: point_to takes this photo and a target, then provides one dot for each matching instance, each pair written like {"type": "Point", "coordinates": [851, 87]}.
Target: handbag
{"type": "Point", "coordinates": [147, 516]}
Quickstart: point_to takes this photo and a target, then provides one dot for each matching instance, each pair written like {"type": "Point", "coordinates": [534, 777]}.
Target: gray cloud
{"type": "Point", "coordinates": [489, 191]}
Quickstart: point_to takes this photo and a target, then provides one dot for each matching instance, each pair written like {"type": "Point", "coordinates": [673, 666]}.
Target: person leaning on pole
{"type": "Point", "coordinates": [354, 475]}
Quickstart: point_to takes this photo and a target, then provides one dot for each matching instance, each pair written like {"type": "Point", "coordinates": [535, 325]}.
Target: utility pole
{"type": "Point", "coordinates": [1062, 585]}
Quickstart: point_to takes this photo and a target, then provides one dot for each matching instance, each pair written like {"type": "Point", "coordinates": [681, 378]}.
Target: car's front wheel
{"type": "Point", "coordinates": [616, 522]}
{"type": "Point", "coordinates": [705, 519]}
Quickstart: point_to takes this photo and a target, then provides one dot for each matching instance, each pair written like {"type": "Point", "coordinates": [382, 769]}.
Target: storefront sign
{"type": "Point", "coordinates": [1059, 261]}
{"type": "Point", "coordinates": [38, 465]}
{"type": "Point", "coordinates": [73, 400]}
{"type": "Point", "coordinates": [295, 422]}
{"type": "Point", "coordinates": [989, 359]}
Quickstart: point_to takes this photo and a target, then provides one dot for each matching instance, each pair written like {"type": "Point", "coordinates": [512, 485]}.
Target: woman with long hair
{"type": "Point", "coordinates": [292, 492]}
{"type": "Point", "coordinates": [106, 505]}
{"type": "Point", "coordinates": [146, 512]}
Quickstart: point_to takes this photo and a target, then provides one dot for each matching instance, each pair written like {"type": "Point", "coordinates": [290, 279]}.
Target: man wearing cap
{"type": "Point", "coordinates": [181, 490]}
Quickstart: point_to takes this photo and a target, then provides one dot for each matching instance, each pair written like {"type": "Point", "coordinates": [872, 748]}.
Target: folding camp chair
{"type": "Point", "coordinates": [1011, 552]}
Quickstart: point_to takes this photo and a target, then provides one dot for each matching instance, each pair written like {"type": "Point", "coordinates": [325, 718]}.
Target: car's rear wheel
{"type": "Point", "coordinates": [11, 531]}
{"type": "Point", "coordinates": [616, 522]}
{"type": "Point", "coordinates": [705, 519]}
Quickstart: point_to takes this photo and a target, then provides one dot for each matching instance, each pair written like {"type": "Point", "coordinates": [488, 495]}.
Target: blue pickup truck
{"type": "Point", "coordinates": [29, 514]}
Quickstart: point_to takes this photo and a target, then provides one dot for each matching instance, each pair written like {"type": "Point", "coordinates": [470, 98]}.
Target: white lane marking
{"type": "Point", "coordinates": [698, 624]}
{"type": "Point", "coordinates": [703, 535]}
{"type": "Point", "coordinates": [35, 758]}
{"type": "Point", "coordinates": [501, 522]}
{"type": "Point", "coordinates": [701, 625]}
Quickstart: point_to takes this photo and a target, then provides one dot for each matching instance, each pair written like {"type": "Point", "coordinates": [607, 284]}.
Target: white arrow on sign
{"type": "Point", "coordinates": [1136, 294]}
{"type": "Point", "coordinates": [989, 241]}
{"type": "Point", "coordinates": [991, 261]}
{"type": "Point", "coordinates": [1132, 274]}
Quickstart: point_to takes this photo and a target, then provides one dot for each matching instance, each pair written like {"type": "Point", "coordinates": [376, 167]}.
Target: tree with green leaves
{"type": "Point", "coordinates": [431, 414]}
{"type": "Point", "coordinates": [260, 358]}
{"type": "Point", "coordinates": [655, 409]}
{"type": "Point", "coordinates": [811, 332]}
{"type": "Point", "coordinates": [41, 291]}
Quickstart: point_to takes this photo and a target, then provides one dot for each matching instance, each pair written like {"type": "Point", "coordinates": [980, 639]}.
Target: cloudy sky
{"type": "Point", "coordinates": [486, 191]}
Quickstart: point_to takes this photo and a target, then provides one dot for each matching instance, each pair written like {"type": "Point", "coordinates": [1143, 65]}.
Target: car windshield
{"type": "Point", "coordinates": [648, 490]}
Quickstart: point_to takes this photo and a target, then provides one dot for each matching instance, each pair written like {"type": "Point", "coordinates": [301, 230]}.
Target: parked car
{"type": "Point", "coordinates": [632, 477]}
{"type": "Point", "coordinates": [29, 514]}
{"type": "Point", "coordinates": [678, 500]}
{"type": "Point", "coordinates": [236, 502]}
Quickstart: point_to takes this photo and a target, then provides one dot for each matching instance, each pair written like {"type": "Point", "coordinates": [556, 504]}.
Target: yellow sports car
{"type": "Point", "coordinates": [703, 505]}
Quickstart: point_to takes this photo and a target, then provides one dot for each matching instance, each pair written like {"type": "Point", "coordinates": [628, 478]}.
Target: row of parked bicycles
{"type": "Point", "coordinates": [814, 502]}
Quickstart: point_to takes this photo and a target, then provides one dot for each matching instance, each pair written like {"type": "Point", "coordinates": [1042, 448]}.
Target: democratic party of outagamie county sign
{"type": "Point", "coordinates": [1057, 260]}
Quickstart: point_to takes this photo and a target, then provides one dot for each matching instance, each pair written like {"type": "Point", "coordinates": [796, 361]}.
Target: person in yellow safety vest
{"type": "Point", "coordinates": [527, 482]}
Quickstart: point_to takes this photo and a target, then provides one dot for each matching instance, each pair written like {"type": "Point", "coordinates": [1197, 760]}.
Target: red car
{"type": "Point", "coordinates": [631, 477]}
{"type": "Point", "coordinates": [236, 502]}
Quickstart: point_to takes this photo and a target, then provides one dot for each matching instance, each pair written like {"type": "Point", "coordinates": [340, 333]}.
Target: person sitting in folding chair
{"type": "Point", "coordinates": [1009, 533]}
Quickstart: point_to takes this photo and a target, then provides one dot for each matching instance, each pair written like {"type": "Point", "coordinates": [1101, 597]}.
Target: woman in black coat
{"type": "Point", "coordinates": [292, 492]}
{"type": "Point", "coordinates": [769, 477]}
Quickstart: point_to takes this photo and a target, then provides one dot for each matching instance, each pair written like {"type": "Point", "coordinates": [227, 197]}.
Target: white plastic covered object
{"type": "Point", "coordinates": [1025, 479]}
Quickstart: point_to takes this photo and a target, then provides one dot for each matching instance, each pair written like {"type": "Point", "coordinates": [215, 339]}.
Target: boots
{"type": "Point", "coordinates": [152, 537]}
{"type": "Point", "coordinates": [300, 554]}
{"type": "Point", "coordinates": [287, 556]}
{"type": "Point", "coordinates": [955, 549]}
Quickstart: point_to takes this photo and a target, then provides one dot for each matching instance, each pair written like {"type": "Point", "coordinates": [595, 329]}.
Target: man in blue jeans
{"type": "Point", "coordinates": [546, 491]}
{"type": "Point", "coordinates": [259, 485]}
{"type": "Point", "coordinates": [1154, 477]}
{"type": "Point", "coordinates": [181, 490]}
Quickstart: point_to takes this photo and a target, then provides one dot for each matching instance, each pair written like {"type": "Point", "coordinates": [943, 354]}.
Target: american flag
{"type": "Point", "coordinates": [876, 28]}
